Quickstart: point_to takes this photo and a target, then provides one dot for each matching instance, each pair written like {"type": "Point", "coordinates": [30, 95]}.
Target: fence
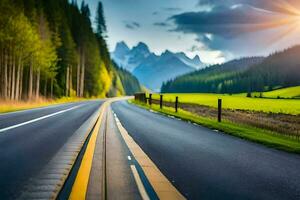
{"type": "Point", "coordinates": [288, 125]}
{"type": "Point", "coordinates": [142, 98]}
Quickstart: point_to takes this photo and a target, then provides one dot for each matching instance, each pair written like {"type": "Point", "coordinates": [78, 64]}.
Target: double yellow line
{"type": "Point", "coordinates": [80, 185]}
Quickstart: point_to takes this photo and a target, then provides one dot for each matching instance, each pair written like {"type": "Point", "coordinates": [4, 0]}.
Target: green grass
{"type": "Point", "coordinates": [291, 92]}
{"type": "Point", "coordinates": [241, 102]}
{"type": "Point", "coordinates": [265, 137]}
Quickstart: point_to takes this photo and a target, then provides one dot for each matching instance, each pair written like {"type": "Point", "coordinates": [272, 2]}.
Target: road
{"type": "Point", "coordinates": [29, 139]}
{"type": "Point", "coordinates": [205, 164]}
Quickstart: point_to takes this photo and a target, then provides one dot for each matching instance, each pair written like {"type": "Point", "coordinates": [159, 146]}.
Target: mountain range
{"type": "Point", "coordinates": [153, 70]}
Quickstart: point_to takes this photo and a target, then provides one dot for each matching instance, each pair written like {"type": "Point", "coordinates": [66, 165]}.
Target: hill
{"type": "Point", "coordinates": [278, 70]}
{"type": "Point", "coordinates": [210, 78]}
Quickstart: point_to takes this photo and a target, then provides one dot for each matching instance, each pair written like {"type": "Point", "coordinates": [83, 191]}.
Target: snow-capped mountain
{"type": "Point", "coordinates": [152, 70]}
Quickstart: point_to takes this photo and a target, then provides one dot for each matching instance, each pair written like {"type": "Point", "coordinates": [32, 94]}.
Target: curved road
{"type": "Point", "coordinates": [204, 164]}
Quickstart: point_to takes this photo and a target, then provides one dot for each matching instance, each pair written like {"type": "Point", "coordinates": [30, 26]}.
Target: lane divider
{"type": "Point", "coordinates": [80, 185]}
{"type": "Point", "coordinates": [161, 185]}
{"type": "Point", "coordinates": [38, 119]}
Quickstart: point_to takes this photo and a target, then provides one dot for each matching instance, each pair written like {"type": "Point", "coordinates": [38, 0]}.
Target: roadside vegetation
{"type": "Point", "coordinates": [49, 49]}
{"type": "Point", "coordinates": [267, 137]}
{"type": "Point", "coordinates": [11, 106]}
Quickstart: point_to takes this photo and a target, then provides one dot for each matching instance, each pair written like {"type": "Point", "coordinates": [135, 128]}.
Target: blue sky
{"type": "Point", "coordinates": [216, 30]}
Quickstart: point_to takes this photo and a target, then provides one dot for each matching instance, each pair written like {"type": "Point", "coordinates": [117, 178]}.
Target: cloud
{"type": "Point", "coordinates": [162, 24]}
{"type": "Point", "coordinates": [131, 25]}
{"type": "Point", "coordinates": [282, 6]}
{"type": "Point", "coordinates": [229, 22]}
{"type": "Point", "coordinates": [242, 26]}
{"type": "Point", "coordinates": [172, 9]}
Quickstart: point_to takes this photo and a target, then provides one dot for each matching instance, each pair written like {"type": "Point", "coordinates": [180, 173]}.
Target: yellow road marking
{"type": "Point", "coordinates": [162, 186]}
{"type": "Point", "coordinates": [80, 185]}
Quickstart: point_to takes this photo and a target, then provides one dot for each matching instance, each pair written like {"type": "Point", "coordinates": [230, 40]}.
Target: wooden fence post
{"type": "Point", "coordinates": [219, 110]}
{"type": "Point", "coordinates": [176, 104]}
{"type": "Point", "coordinates": [150, 99]}
{"type": "Point", "coordinates": [161, 101]}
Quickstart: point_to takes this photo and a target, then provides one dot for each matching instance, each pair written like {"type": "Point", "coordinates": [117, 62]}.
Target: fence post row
{"type": "Point", "coordinates": [150, 99]}
{"type": "Point", "coordinates": [176, 104]}
{"type": "Point", "coordinates": [161, 101]}
{"type": "Point", "coordinates": [219, 110]}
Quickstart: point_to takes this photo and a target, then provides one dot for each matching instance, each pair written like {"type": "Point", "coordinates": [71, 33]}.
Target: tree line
{"type": "Point", "coordinates": [257, 74]}
{"type": "Point", "coordinates": [49, 48]}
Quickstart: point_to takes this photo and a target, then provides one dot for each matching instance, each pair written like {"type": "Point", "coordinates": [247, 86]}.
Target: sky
{"type": "Point", "coordinates": [216, 30]}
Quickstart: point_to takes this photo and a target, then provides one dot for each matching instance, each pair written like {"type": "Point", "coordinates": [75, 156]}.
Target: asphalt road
{"type": "Point", "coordinates": [204, 164]}
{"type": "Point", "coordinates": [26, 149]}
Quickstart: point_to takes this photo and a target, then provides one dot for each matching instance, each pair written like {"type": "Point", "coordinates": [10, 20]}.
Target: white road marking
{"type": "Point", "coordinates": [37, 119]}
{"type": "Point", "coordinates": [152, 111]}
{"type": "Point", "coordinates": [139, 183]}
{"type": "Point", "coordinates": [129, 158]}
{"type": "Point", "coordinates": [117, 119]}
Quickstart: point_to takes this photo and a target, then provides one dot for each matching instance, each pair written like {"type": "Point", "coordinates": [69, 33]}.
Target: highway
{"type": "Point", "coordinates": [112, 149]}
{"type": "Point", "coordinates": [29, 140]}
{"type": "Point", "coordinates": [205, 164]}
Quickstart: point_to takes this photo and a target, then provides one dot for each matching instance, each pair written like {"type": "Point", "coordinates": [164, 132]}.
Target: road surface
{"type": "Point", "coordinates": [25, 150]}
{"type": "Point", "coordinates": [102, 153]}
{"type": "Point", "coordinates": [205, 164]}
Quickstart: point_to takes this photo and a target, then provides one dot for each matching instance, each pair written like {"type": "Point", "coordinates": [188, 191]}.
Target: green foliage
{"type": "Point", "coordinates": [130, 82]}
{"type": "Point", "coordinates": [56, 40]}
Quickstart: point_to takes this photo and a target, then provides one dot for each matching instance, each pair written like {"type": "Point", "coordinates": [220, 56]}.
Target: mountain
{"type": "Point", "coordinates": [151, 69]}
{"type": "Point", "coordinates": [130, 58]}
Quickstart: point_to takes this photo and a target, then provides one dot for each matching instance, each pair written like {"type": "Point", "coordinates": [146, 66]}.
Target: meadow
{"type": "Point", "coordinates": [238, 102]}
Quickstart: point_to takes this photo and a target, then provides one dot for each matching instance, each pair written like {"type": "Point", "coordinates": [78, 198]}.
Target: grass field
{"type": "Point", "coordinates": [266, 137]}
{"type": "Point", "coordinates": [241, 102]}
{"type": "Point", "coordinates": [291, 92]}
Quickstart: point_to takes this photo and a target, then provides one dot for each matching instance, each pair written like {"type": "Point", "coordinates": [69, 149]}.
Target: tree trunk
{"type": "Point", "coordinates": [37, 89]}
{"type": "Point", "coordinates": [5, 74]}
{"type": "Point", "coordinates": [21, 81]}
{"type": "Point", "coordinates": [70, 81]}
{"type": "Point", "coordinates": [13, 78]}
{"type": "Point", "coordinates": [78, 77]}
{"type": "Point", "coordinates": [51, 88]}
{"type": "Point", "coordinates": [82, 76]}
{"type": "Point", "coordinates": [18, 79]}
{"type": "Point", "coordinates": [9, 76]}
{"type": "Point", "coordinates": [30, 81]}
{"type": "Point", "coordinates": [45, 88]}
{"type": "Point", "coordinates": [67, 81]}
